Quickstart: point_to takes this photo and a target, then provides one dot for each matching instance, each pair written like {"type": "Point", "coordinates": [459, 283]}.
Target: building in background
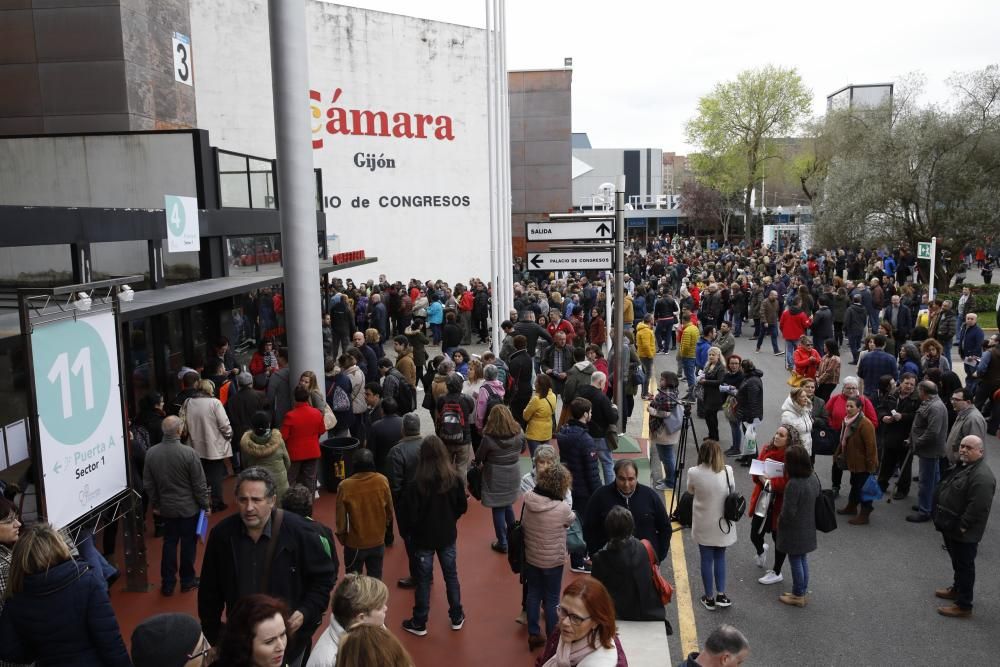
{"type": "Point", "coordinates": [676, 172]}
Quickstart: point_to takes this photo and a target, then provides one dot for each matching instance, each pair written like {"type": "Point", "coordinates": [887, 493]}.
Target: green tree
{"type": "Point", "coordinates": [719, 188]}
{"type": "Point", "coordinates": [904, 174]}
{"type": "Point", "coordinates": [739, 116]}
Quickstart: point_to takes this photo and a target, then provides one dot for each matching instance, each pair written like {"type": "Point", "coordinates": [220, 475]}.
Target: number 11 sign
{"type": "Point", "coordinates": [79, 414]}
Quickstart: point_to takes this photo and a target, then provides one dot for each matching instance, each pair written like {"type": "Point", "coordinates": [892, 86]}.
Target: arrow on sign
{"type": "Point", "coordinates": [536, 261]}
{"type": "Point", "coordinates": [603, 230]}
{"type": "Point", "coordinates": [56, 468]}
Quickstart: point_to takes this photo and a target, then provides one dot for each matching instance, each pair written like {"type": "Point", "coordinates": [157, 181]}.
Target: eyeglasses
{"type": "Point", "coordinates": [573, 618]}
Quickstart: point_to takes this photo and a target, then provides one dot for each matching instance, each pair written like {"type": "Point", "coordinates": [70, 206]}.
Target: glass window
{"type": "Point", "coordinates": [246, 254]}
{"type": "Point", "coordinates": [262, 190]}
{"type": "Point", "coordinates": [142, 372]}
{"type": "Point", "coordinates": [233, 186]}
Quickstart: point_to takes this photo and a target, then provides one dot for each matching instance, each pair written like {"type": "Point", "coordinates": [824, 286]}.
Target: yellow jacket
{"type": "Point", "coordinates": [538, 415]}
{"type": "Point", "coordinates": [689, 341]}
{"type": "Point", "coordinates": [628, 310]}
{"type": "Point", "coordinates": [645, 342]}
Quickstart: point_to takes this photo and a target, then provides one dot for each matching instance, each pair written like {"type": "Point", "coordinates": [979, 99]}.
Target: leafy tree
{"type": "Point", "coordinates": [717, 190]}
{"type": "Point", "coordinates": [904, 174]}
{"type": "Point", "coordinates": [738, 117]}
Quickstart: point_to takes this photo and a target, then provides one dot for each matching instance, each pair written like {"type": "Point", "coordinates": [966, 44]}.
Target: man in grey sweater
{"type": "Point", "coordinates": [175, 483]}
{"type": "Point", "coordinates": [928, 437]}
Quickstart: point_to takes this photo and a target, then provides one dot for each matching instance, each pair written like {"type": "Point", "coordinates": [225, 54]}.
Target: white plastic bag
{"type": "Point", "coordinates": [749, 447]}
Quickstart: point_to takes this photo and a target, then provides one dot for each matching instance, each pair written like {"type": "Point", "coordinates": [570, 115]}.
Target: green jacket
{"type": "Point", "coordinates": [962, 502]}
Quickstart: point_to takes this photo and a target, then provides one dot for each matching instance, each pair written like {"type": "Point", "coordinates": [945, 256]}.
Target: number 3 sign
{"type": "Point", "coordinates": [182, 59]}
{"type": "Point", "coordinates": [80, 427]}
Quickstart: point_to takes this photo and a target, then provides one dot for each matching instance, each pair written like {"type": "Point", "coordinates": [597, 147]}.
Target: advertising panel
{"type": "Point", "coordinates": [398, 113]}
{"type": "Point", "coordinates": [83, 451]}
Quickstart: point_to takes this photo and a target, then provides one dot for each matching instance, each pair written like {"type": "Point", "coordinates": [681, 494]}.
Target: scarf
{"type": "Point", "coordinates": [567, 655]}
{"type": "Point", "coordinates": [664, 401]}
{"type": "Point", "coordinates": [848, 428]}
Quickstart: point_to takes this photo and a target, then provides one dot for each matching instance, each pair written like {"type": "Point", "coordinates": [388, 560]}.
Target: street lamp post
{"type": "Point", "coordinates": [763, 221]}
{"type": "Point", "coordinates": [798, 224]}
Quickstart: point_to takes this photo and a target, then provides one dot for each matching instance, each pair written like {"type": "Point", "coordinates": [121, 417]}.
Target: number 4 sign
{"type": "Point", "coordinates": [183, 233]}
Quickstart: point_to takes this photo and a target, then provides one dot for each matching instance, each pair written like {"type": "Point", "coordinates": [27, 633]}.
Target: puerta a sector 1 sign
{"type": "Point", "coordinates": [80, 431]}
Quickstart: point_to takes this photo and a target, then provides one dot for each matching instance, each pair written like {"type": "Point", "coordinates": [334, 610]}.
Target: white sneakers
{"type": "Point", "coordinates": [761, 558]}
{"type": "Point", "coordinates": [771, 577]}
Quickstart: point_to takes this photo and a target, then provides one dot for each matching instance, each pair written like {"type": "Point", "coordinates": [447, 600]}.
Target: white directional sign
{"type": "Point", "coordinates": [571, 231]}
{"type": "Point", "coordinates": [569, 261]}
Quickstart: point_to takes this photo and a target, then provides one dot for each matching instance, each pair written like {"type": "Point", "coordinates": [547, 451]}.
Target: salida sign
{"type": "Point", "coordinates": [338, 120]}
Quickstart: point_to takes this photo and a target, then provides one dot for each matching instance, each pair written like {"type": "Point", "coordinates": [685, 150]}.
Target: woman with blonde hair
{"type": "Point", "coordinates": [374, 340]}
{"type": "Point", "coordinates": [368, 645]}
{"type": "Point", "coordinates": [309, 382]}
{"type": "Point", "coordinates": [210, 435]}
{"type": "Point", "coordinates": [358, 600]}
{"type": "Point", "coordinates": [711, 381]}
{"type": "Point", "coordinates": [710, 482]}
{"type": "Point", "coordinates": [58, 611]}
{"type": "Point", "coordinates": [498, 454]}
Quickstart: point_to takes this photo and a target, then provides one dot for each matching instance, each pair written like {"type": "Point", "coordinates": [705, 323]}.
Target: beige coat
{"type": "Point", "coordinates": [208, 427]}
{"type": "Point", "coordinates": [545, 522]}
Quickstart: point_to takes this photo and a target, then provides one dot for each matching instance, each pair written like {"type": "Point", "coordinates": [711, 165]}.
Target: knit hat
{"type": "Point", "coordinates": [244, 379]}
{"type": "Point", "coordinates": [165, 640]}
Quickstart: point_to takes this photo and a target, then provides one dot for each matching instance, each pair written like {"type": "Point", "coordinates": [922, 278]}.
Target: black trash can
{"type": "Point", "coordinates": [336, 463]}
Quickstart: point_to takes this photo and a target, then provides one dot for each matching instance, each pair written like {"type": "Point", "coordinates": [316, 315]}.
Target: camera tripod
{"type": "Point", "coordinates": [687, 424]}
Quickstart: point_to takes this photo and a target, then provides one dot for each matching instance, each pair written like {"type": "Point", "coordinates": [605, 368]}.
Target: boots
{"type": "Point", "coordinates": [862, 518]}
{"type": "Point", "coordinates": [852, 508]}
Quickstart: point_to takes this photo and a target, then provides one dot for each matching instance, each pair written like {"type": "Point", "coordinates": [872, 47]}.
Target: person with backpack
{"type": "Point", "coordinates": [490, 395]}
{"type": "Point", "coordinates": [339, 392]}
{"type": "Point", "coordinates": [397, 387]}
{"type": "Point", "coordinates": [453, 423]}
{"type": "Point", "coordinates": [710, 482]}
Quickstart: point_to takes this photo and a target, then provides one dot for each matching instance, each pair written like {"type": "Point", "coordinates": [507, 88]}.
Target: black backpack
{"type": "Point", "coordinates": [406, 396]}
{"type": "Point", "coordinates": [684, 510]}
{"type": "Point", "coordinates": [451, 422]}
{"type": "Point", "coordinates": [734, 508]}
{"type": "Point", "coordinates": [492, 399]}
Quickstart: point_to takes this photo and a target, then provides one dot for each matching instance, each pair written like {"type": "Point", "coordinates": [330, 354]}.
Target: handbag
{"type": "Point", "coordinates": [871, 491]}
{"type": "Point", "coordinates": [825, 512]}
{"type": "Point", "coordinates": [575, 543]}
{"type": "Point", "coordinates": [475, 480]}
{"type": "Point", "coordinates": [662, 586]}
{"type": "Point", "coordinates": [824, 440]}
{"type": "Point", "coordinates": [612, 437]}
{"type": "Point", "coordinates": [734, 507]}
{"type": "Point", "coordinates": [763, 502]}
{"type": "Point", "coordinates": [684, 512]}
{"type": "Point", "coordinates": [329, 419]}
{"type": "Point", "coordinates": [795, 380]}
{"type": "Point", "coordinates": [731, 409]}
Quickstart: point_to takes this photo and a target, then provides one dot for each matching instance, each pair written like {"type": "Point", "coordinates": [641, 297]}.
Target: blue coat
{"type": "Point", "coordinates": [579, 454]}
{"type": "Point", "coordinates": [62, 617]}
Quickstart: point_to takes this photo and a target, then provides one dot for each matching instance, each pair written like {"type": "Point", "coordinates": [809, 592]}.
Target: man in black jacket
{"type": "Point", "coordinates": [532, 331]}
{"type": "Point", "coordinates": [557, 362]}
{"type": "Point", "coordinates": [646, 506]}
{"type": "Point", "coordinates": [961, 511]}
{"type": "Point", "coordinates": [240, 560]}
{"type": "Point", "coordinates": [603, 415]}
{"type": "Point", "coordinates": [895, 419]}
{"type": "Point", "coordinates": [520, 367]}
{"type": "Point", "coordinates": [400, 468]}
{"type": "Point", "coordinates": [241, 407]}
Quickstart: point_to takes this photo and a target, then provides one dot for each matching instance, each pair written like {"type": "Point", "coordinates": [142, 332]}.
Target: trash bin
{"type": "Point", "coordinates": [336, 463]}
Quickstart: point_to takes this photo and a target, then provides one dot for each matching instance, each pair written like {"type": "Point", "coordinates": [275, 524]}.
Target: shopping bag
{"type": "Point", "coordinates": [201, 529]}
{"type": "Point", "coordinates": [574, 538]}
{"type": "Point", "coordinates": [871, 491]}
{"type": "Point", "coordinates": [749, 445]}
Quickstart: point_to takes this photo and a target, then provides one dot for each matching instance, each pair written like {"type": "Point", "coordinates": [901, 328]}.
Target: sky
{"type": "Point", "coordinates": [639, 67]}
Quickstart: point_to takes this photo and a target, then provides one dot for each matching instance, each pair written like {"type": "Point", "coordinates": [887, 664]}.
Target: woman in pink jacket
{"type": "Point", "coordinates": [545, 518]}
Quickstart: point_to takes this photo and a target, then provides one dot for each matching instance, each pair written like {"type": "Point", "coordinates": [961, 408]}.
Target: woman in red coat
{"type": "Point", "coordinates": [806, 358]}
{"type": "Point", "coordinates": [784, 437]}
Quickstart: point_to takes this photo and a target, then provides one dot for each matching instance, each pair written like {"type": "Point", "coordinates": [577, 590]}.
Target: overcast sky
{"type": "Point", "coordinates": [639, 67]}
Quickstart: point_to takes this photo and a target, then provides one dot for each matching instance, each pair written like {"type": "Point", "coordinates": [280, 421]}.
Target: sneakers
{"type": "Point", "coordinates": [583, 568]}
{"type": "Point", "coordinates": [732, 452]}
{"type": "Point", "coordinates": [771, 577]}
{"type": "Point", "coordinates": [722, 600]}
{"type": "Point", "coordinates": [457, 624]}
{"type": "Point", "coordinates": [499, 548]}
{"type": "Point", "coordinates": [779, 354]}
{"type": "Point", "coordinates": [522, 618]}
{"type": "Point", "coordinates": [407, 583]}
{"type": "Point", "coordinates": [419, 630]}
{"type": "Point", "coordinates": [793, 600]}
{"type": "Point", "coordinates": [191, 585]}
{"type": "Point", "coordinates": [708, 603]}
{"type": "Point", "coordinates": [761, 558]}
{"type": "Point", "coordinates": [662, 486]}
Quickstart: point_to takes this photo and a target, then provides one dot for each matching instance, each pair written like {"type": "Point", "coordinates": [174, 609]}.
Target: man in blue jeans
{"type": "Point", "coordinates": [768, 318]}
{"type": "Point", "coordinates": [928, 437]}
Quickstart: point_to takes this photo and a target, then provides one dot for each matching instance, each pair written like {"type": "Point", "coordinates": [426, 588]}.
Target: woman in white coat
{"type": "Point", "coordinates": [710, 482]}
{"type": "Point", "coordinates": [797, 411]}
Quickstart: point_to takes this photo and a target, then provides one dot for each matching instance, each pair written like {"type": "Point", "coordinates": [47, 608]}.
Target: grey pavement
{"type": "Point", "coordinates": [871, 598]}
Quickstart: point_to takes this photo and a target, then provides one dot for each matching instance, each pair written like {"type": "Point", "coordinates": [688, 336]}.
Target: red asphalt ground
{"type": "Point", "coordinates": [491, 594]}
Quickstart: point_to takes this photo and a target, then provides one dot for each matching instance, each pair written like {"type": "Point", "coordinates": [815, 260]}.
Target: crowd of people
{"type": "Point", "coordinates": [271, 569]}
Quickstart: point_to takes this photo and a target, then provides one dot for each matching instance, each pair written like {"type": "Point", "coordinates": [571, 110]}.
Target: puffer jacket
{"type": "Point", "coordinates": [688, 341]}
{"type": "Point", "coordinates": [544, 522]}
{"type": "Point", "coordinates": [578, 453]}
{"type": "Point", "coordinates": [501, 473]}
{"type": "Point", "coordinates": [645, 342]}
{"type": "Point", "coordinates": [63, 617]}
{"type": "Point", "coordinates": [208, 427]}
{"type": "Point", "coordinates": [750, 397]}
{"type": "Point", "coordinates": [800, 418]}
{"type": "Point", "coordinates": [268, 453]}
{"type": "Point", "coordinates": [357, 378]}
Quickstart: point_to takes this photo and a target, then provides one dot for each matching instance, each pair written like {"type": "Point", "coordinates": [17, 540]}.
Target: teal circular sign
{"type": "Point", "coordinates": [175, 217]}
{"type": "Point", "coordinates": [72, 379]}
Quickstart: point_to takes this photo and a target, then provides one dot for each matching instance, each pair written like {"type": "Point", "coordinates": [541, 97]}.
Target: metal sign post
{"type": "Point", "coordinates": [620, 300]}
